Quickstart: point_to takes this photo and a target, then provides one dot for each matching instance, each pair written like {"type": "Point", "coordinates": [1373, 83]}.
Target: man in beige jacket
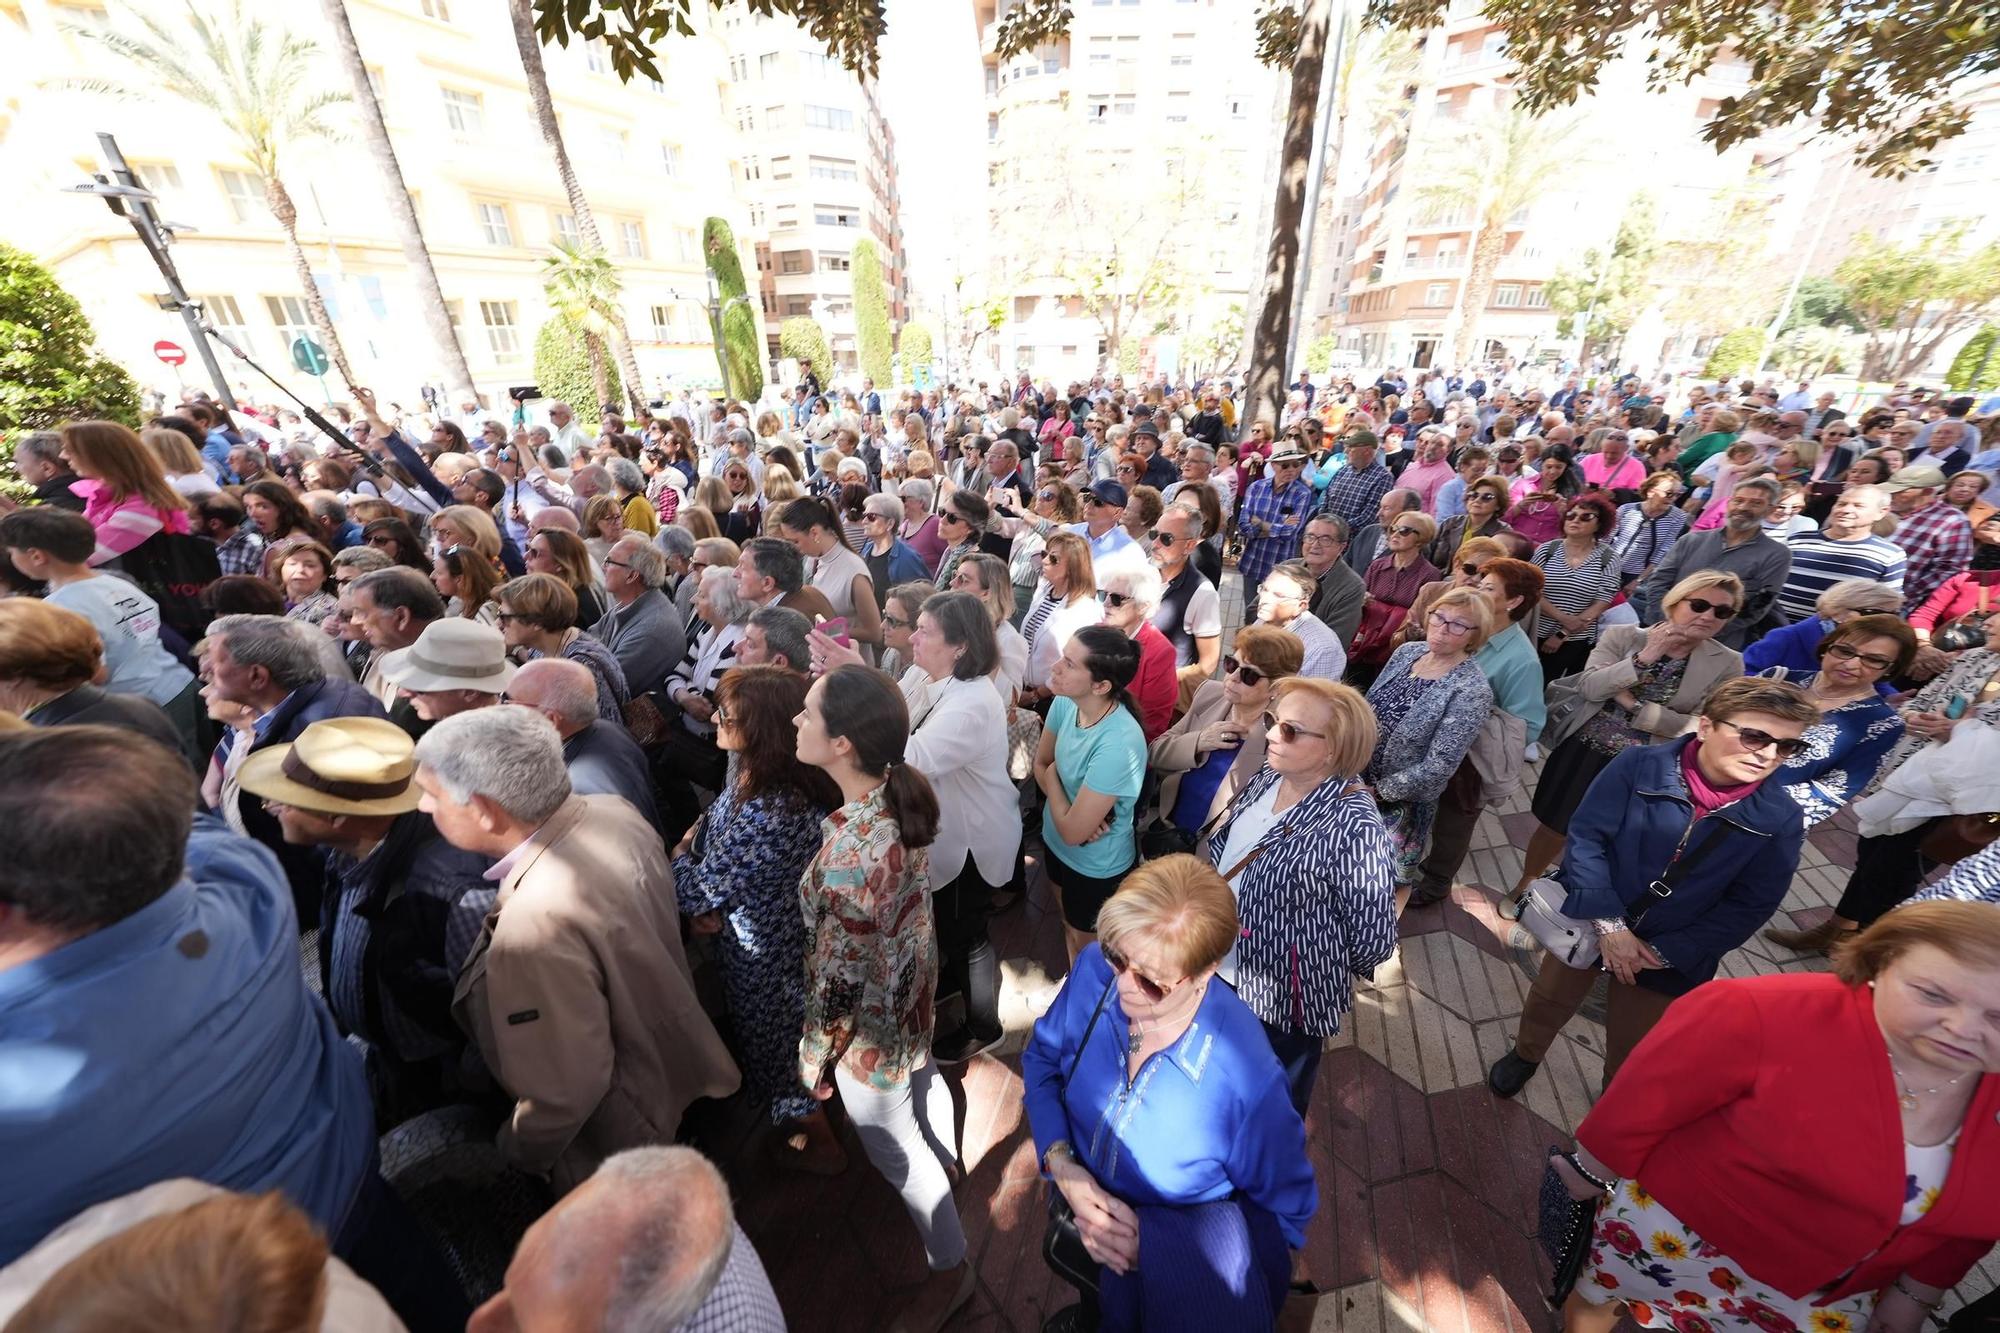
{"type": "Point", "coordinates": [578, 993]}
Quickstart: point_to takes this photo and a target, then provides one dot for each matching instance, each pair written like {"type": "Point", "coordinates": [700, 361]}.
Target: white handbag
{"type": "Point", "coordinates": [1573, 941]}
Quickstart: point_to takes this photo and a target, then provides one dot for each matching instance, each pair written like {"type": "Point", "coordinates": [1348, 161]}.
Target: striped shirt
{"type": "Point", "coordinates": [1819, 562]}
{"type": "Point", "coordinates": [1570, 588]}
{"type": "Point", "coordinates": [1641, 541]}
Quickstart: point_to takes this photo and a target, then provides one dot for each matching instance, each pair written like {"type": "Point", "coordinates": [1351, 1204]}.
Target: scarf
{"type": "Point", "coordinates": [1707, 797]}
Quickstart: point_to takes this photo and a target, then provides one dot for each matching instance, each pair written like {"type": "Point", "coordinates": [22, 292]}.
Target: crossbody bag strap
{"type": "Point", "coordinates": [1676, 871]}
{"type": "Point", "coordinates": [1089, 1028]}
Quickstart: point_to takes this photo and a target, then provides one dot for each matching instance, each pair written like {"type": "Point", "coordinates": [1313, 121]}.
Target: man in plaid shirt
{"type": "Point", "coordinates": [1275, 510]}
{"type": "Point", "coordinates": [1356, 490]}
{"type": "Point", "coordinates": [1936, 538]}
{"type": "Point", "coordinates": [239, 547]}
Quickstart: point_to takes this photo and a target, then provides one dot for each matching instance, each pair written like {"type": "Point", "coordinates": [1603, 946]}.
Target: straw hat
{"type": "Point", "coordinates": [452, 654]}
{"type": "Point", "coordinates": [342, 766]}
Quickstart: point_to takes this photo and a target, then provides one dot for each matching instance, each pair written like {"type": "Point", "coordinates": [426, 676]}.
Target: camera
{"type": "Point", "coordinates": [522, 393]}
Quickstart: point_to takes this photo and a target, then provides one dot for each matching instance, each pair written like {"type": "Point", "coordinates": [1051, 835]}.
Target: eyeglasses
{"type": "Point", "coordinates": [1753, 739]}
{"type": "Point", "coordinates": [1471, 571]}
{"type": "Point", "coordinates": [896, 622]}
{"type": "Point", "coordinates": [508, 617]}
{"type": "Point", "coordinates": [948, 517]}
{"type": "Point", "coordinates": [1161, 538]}
{"type": "Point", "coordinates": [382, 539]}
{"type": "Point", "coordinates": [617, 564]}
{"type": "Point", "coordinates": [1401, 531]}
{"type": "Point", "coordinates": [1113, 599]}
{"type": "Point", "coordinates": [1045, 495]}
{"type": "Point", "coordinates": [1848, 653]}
{"type": "Point", "coordinates": [1153, 990]}
{"type": "Point", "coordinates": [1720, 610]}
{"type": "Point", "coordinates": [1484, 497]}
{"type": "Point", "coordinates": [1288, 731]}
{"type": "Point", "coordinates": [1444, 622]}
{"type": "Point", "coordinates": [1243, 671]}
{"type": "Point", "coordinates": [1320, 539]}
{"type": "Point", "coordinates": [720, 716]}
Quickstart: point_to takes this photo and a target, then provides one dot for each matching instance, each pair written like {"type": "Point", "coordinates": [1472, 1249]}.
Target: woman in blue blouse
{"type": "Point", "coordinates": [1857, 728]}
{"type": "Point", "coordinates": [1162, 1120]}
{"type": "Point", "coordinates": [1795, 646]}
{"type": "Point", "coordinates": [1304, 850]}
{"type": "Point", "coordinates": [737, 873]}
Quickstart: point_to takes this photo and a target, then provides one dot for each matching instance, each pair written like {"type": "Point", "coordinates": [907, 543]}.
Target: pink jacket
{"type": "Point", "coordinates": [123, 524]}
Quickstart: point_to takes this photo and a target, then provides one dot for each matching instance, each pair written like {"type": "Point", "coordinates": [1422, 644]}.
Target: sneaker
{"type": "Point", "coordinates": [963, 1045]}
{"type": "Point", "coordinates": [1531, 754]}
{"type": "Point", "coordinates": [1510, 1073]}
{"type": "Point", "coordinates": [1512, 906]}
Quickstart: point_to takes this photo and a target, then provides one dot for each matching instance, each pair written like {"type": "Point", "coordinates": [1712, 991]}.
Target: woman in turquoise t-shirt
{"type": "Point", "coordinates": [1090, 765]}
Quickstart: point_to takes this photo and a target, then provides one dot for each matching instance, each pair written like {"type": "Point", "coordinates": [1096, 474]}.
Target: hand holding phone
{"type": "Point", "coordinates": [835, 629]}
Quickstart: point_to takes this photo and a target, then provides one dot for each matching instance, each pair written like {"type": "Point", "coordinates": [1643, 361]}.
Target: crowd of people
{"type": "Point", "coordinates": [427, 772]}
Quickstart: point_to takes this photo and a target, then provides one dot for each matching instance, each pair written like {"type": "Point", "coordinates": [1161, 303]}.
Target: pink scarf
{"type": "Point", "coordinates": [1707, 797]}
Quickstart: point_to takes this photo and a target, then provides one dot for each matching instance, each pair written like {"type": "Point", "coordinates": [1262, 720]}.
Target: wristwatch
{"type": "Point", "coordinates": [1059, 1148]}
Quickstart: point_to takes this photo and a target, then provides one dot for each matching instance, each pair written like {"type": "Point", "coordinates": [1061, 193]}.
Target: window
{"type": "Point", "coordinates": [833, 169]}
{"type": "Point", "coordinates": [597, 56]}
{"type": "Point", "coordinates": [833, 264]}
{"type": "Point", "coordinates": [1097, 108]}
{"type": "Point", "coordinates": [739, 68]}
{"type": "Point", "coordinates": [437, 9]}
{"type": "Point", "coordinates": [1128, 50]}
{"type": "Point", "coordinates": [158, 177]}
{"type": "Point", "coordinates": [835, 215]}
{"type": "Point", "coordinates": [753, 169]}
{"type": "Point", "coordinates": [818, 64]}
{"type": "Point", "coordinates": [992, 79]}
{"type": "Point", "coordinates": [788, 216]}
{"type": "Point", "coordinates": [1180, 59]}
{"type": "Point", "coordinates": [1238, 108]}
{"type": "Point", "coordinates": [1437, 293]}
{"type": "Point", "coordinates": [632, 240]}
{"type": "Point", "coordinates": [670, 158]}
{"type": "Point", "coordinates": [246, 196]}
{"type": "Point", "coordinates": [226, 315]}
{"type": "Point", "coordinates": [828, 118]}
{"type": "Point", "coordinates": [767, 64]}
{"type": "Point", "coordinates": [781, 168]}
{"type": "Point", "coordinates": [565, 229]}
{"type": "Point", "coordinates": [615, 143]}
{"type": "Point", "coordinates": [993, 129]}
{"type": "Point", "coordinates": [1177, 107]}
{"type": "Point", "coordinates": [1537, 298]}
{"type": "Point", "coordinates": [494, 224]}
{"type": "Point", "coordinates": [464, 113]}
{"type": "Point", "coordinates": [663, 323]}
{"type": "Point", "coordinates": [774, 118]}
{"type": "Point", "coordinates": [290, 315]}
{"type": "Point", "coordinates": [1507, 294]}
{"type": "Point", "coordinates": [1125, 105]}
{"type": "Point", "coordinates": [793, 261]}
{"type": "Point", "coordinates": [371, 296]}
{"type": "Point", "coordinates": [1024, 309]}
{"type": "Point", "coordinates": [798, 305]}
{"type": "Point", "coordinates": [1051, 65]}
{"type": "Point", "coordinates": [746, 119]}
{"type": "Point", "coordinates": [501, 335]}
{"type": "Point", "coordinates": [687, 245]}
{"type": "Point", "coordinates": [756, 215]}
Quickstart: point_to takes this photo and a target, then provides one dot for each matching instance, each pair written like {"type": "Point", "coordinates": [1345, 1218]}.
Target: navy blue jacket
{"type": "Point", "coordinates": [1626, 831]}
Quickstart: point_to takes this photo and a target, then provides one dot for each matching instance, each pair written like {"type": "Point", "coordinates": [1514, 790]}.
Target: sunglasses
{"type": "Point", "coordinates": [1753, 739]}
{"type": "Point", "coordinates": [896, 622]}
{"type": "Point", "coordinates": [1161, 538]}
{"type": "Point", "coordinates": [382, 539]}
{"type": "Point", "coordinates": [508, 617]}
{"type": "Point", "coordinates": [1400, 531]}
{"type": "Point", "coordinates": [1288, 731]}
{"type": "Point", "coordinates": [948, 518]}
{"type": "Point", "coordinates": [1122, 965]}
{"type": "Point", "coordinates": [1720, 610]}
{"type": "Point", "coordinates": [1471, 571]}
{"type": "Point", "coordinates": [1113, 599]}
{"type": "Point", "coordinates": [1243, 671]}
{"type": "Point", "coordinates": [1849, 653]}
{"type": "Point", "coordinates": [1045, 495]}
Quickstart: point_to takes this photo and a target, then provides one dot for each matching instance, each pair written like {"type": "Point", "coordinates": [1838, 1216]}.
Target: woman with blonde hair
{"type": "Point", "coordinates": [1064, 602]}
{"type": "Point", "coordinates": [464, 525]}
{"type": "Point", "coordinates": [126, 495]}
{"type": "Point", "coordinates": [698, 520]}
{"type": "Point", "coordinates": [538, 619]}
{"type": "Point", "coordinates": [180, 460]}
{"type": "Point", "coordinates": [561, 553]}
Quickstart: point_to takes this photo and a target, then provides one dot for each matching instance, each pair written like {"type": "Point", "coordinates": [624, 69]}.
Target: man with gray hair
{"type": "Point", "coordinates": [391, 607]}
{"type": "Point", "coordinates": [602, 758]}
{"type": "Point", "coordinates": [273, 669]}
{"type": "Point", "coordinates": [1740, 547]}
{"type": "Point", "coordinates": [641, 627]}
{"type": "Point", "coordinates": [579, 998]}
{"type": "Point", "coordinates": [776, 635]}
{"type": "Point", "coordinates": [38, 458]}
{"type": "Point", "coordinates": [565, 430]}
{"type": "Point", "coordinates": [650, 1242]}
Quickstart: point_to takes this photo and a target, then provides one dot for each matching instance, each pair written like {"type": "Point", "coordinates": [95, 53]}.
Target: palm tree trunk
{"type": "Point", "coordinates": [280, 201]}
{"type": "Point", "coordinates": [1265, 393]}
{"type": "Point", "coordinates": [1486, 254]}
{"type": "Point", "coordinates": [402, 215]}
{"type": "Point", "coordinates": [600, 381]}
{"type": "Point", "coordinates": [530, 45]}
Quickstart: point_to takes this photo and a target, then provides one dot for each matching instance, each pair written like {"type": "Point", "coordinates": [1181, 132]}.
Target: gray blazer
{"type": "Point", "coordinates": [1611, 668]}
{"type": "Point", "coordinates": [1421, 752]}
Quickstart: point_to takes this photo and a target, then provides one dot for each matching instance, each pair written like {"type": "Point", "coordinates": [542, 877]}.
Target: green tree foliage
{"type": "Point", "coordinates": [914, 347]}
{"type": "Point", "coordinates": [563, 370]}
{"type": "Point", "coordinates": [1737, 352]}
{"type": "Point", "coordinates": [1811, 350]}
{"type": "Point", "coordinates": [742, 364]}
{"type": "Point", "coordinates": [1319, 353]}
{"type": "Point", "coordinates": [1978, 360]}
{"type": "Point", "coordinates": [1602, 297]}
{"type": "Point", "coordinates": [631, 29]}
{"type": "Point", "coordinates": [583, 288]}
{"type": "Point", "coordinates": [1883, 73]}
{"type": "Point", "coordinates": [1820, 302]}
{"type": "Point", "coordinates": [1217, 347]}
{"type": "Point", "coordinates": [871, 313]}
{"type": "Point", "coordinates": [801, 337]}
{"type": "Point", "coordinates": [1909, 298]}
{"type": "Point", "coordinates": [50, 370]}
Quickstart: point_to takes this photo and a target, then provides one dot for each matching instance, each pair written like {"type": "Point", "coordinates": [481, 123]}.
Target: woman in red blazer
{"type": "Point", "coordinates": [1807, 1151]}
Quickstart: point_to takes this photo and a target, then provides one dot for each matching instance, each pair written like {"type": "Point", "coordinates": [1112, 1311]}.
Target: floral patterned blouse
{"type": "Point", "coordinates": [871, 953]}
{"type": "Point", "coordinates": [1843, 750]}
{"type": "Point", "coordinates": [1611, 732]}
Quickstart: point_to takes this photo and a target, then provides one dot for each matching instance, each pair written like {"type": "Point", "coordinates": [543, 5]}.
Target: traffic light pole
{"type": "Point", "coordinates": [135, 205]}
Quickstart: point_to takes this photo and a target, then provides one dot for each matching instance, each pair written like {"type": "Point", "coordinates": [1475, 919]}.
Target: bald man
{"type": "Point", "coordinates": [602, 757]}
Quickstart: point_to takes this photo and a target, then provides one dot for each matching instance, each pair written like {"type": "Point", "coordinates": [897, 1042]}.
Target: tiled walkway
{"type": "Point", "coordinates": [1427, 1181]}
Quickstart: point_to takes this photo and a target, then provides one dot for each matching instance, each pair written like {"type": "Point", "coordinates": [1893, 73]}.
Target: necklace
{"type": "Point", "coordinates": [1908, 1100]}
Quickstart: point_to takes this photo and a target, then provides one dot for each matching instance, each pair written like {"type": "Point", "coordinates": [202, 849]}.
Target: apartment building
{"type": "Point", "coordinates": [653, 158]}
{"type": "Point", "coordinates": [815, 163]}
{"type": "Point", "coordinates": [1139, 153]}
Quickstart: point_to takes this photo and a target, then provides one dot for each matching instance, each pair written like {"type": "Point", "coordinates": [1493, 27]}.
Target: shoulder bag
{"type": "Point", "coordinates": [1062, 1244]}
{"type": "Point", "coordinates": [1568, 709]}
{"type": "Point", "coordinates": [1574, 942]}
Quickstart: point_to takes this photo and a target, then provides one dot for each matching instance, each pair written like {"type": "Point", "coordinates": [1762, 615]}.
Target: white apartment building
{"type": "Point", "coordinates": [1149, 135]}
{"type": "Point", "coordinates": [653, 158]}
{"type": "Point", "coordinates": [815, 163]}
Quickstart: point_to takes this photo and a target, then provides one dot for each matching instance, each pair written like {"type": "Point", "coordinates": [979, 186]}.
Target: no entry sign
{"type": "Point", "coordinates": [170, 352]}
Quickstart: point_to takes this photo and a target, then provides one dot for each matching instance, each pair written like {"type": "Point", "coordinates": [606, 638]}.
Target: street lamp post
{"type": "Point", "coordinates": [716, 308]}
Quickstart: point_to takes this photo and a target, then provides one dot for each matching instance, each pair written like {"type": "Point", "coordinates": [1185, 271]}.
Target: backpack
{"type": "Point", "coordinates": [174, 569]}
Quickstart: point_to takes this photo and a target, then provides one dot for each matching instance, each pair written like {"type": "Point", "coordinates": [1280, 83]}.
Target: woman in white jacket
{"type": "Point", "coordinates": [1064, 602]}
{"type": "Point", "coordinates": [958, 739]}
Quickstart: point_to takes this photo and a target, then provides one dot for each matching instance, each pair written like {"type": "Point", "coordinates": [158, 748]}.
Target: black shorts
{"type": "Point", "coordinates": [1082, 894]}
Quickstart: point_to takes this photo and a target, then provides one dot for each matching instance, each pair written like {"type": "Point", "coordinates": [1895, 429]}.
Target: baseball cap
{"type": "Point", "coordinates": [1109, 492]}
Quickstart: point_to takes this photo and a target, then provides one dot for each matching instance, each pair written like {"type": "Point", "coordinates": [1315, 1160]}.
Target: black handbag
{"type": "Point", "coordinates": [1062, 1244]}
{"type": "Point", "coordinates": [1565, 1226]}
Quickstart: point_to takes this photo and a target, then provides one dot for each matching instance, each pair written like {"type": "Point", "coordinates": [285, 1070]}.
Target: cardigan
{"type": "Point", "coordinates": [1762, 1112]}
{"type": "Point", "coordinates": [1611, 668]}
{"type": "Point", "coordinates": [1423, 750]}
{"type": "Point", "coordinates": [1174, 754]}
{"type": "Point", "coordinates": [1317, 903]}
{"type": "Point", "coordinates": [958, 739]}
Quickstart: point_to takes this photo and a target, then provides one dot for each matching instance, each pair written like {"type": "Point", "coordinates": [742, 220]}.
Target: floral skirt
{"type": "Point", "coordinates": [1669, 1277]}
{"type": "Point", "coordinates": [1409, 827]}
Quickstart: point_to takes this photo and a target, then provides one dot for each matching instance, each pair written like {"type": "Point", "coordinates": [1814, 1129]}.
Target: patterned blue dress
{"type": "Point", "coordinates": [1843, 751]}
{"type": "Point", "coordinates": [745, 862]}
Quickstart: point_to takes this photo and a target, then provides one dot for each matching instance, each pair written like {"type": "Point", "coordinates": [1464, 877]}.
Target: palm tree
{"type": "Point", "coordinates": [583, 288]}
{"type": "Point", "coordinates": [260, 82]}
{"type": "Point", "coordinates": [402, 213]}
{"type": "Point", "coordinates": [523, 15]}
{"type": "Point", "coordinates": [1491, 169]}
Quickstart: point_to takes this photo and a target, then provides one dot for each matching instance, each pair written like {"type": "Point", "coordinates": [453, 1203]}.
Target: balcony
{"type": "Point", "coordinates": [1440, 263]}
